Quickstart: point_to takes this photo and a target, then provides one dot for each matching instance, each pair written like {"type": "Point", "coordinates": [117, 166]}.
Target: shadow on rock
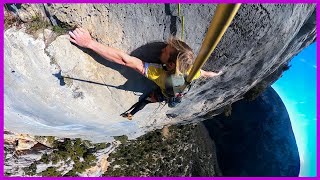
{"type": "Point", "coordinates": [136, 82]}
{"type": "Point", "coordinates": [149, 52]}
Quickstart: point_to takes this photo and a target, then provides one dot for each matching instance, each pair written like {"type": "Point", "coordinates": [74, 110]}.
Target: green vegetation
{"type": "Point", "coordinates": [31, 170]}
{"type": "Point", "coordinates": [44, 158]}
{"type": "Point", "coordinates": [153, 155]}
{"type": "Point", "coordinates": [100, 146]}
{"type": "Point", "coordinates": [51, 171]}
{"type": "Point", "coordinates": [123, 139]}
{"type": "Point", "coordinates": [150, 155]}
{"type": "Point", "coordinates": [81, 153]}
{"type": "Point", "coordinates": [36, 24]}
{"type": "Point", "coordinates": [74, 150]}
{"type": "Point", "coordinates": [55, 158]}
{"type": "Point", "coordinates": [62, 28]}
{"type": "Point", "coordinates": [71, 173]}
{"type": "Point", "coordinates": [50, 139]}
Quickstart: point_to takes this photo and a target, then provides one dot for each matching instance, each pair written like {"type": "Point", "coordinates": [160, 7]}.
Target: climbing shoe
{"type": "Point", "coordinates": [127, 115]}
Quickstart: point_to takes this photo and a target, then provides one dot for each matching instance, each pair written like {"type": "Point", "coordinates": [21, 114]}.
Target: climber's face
{"type": "Point", "coordinates": [165, 55]}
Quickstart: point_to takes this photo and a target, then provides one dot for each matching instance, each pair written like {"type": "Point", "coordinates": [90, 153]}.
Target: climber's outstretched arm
{"type": "Point", "coordinates": [83, 38]}
{"type": "Point", "coordinates": [209, 74]}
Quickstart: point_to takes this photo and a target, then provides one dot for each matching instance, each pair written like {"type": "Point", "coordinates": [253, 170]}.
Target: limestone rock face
{"type": "Point", "coordinates": [38, 100]}
{"type": "Point", "coordinates": [20, 141]}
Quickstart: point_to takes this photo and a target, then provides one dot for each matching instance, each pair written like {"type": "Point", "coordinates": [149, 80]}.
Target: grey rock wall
{"type": "Point", "coordinates": [261, 38]}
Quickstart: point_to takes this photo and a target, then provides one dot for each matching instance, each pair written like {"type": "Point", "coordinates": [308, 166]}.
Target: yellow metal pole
{"type": "Point", "coordinates": [222, 18]}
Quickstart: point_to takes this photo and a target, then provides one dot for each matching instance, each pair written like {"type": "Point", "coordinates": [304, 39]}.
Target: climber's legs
{"type": "Point", "coordinates": [154, 96]}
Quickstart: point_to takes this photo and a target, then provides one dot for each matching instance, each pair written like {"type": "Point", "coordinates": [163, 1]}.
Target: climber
{"type": "Point", "coordinates": [176, 58]}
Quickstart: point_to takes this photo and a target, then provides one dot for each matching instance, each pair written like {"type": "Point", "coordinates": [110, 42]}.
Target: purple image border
{"type": "Point", "coordinates": [144, 1]}
{"type": "Point", "coordinates": [160, 1]}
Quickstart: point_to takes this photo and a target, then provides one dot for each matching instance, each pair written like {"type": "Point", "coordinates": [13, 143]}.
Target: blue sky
{"type": "Point", "coordinates": [297, 89]}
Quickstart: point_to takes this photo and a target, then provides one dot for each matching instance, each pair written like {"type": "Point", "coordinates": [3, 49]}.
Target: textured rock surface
{"type": "Point", "coordinates": [257, 139]}
{"type": "Point", "coordinates": [20, 151]}
{"type": "Point", "coordinates": [40, 160]}
{"type": "Point", "coordinates": [260, 40]}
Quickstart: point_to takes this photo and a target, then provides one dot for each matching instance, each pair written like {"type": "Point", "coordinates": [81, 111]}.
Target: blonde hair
{"type": "Point", "coordinates": [183, 57]}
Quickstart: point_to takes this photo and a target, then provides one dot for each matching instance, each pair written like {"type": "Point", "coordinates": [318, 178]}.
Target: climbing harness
{"type": "Point", "coordinates": [175, 88]}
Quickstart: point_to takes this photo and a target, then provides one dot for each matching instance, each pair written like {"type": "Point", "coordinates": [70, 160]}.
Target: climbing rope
{"type": "Point", "coordinates": [182, 21]}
